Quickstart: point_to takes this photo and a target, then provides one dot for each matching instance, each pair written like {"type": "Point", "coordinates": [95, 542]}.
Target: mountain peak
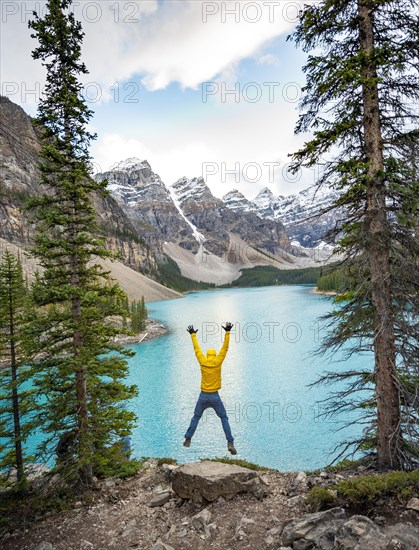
{"type": "Point", "coordinates": [265, 192]}
{"type": "Point", "coordinates": [235, 200]}
{"type": "Point", "coordinates": [129, 164]}
{"type": "Point", "coordinates": [194, 188]}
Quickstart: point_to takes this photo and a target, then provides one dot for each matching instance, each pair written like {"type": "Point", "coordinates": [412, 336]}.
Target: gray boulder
{"type": "Point", "coordinates": [159, 545]}
{"type": "Point", "coordinates": [403, 536]}
{"type": "Point", "coordinates": [413, 504]}
{"type": "Point", "coordinates": [314, 530]}
{"type": "Point", "coordinates": [159, 499]}
{"type": "Point", "coordinates": [44, 545]}
{"type": "Point", "coordinates": [212, 480]}
{"type": "Point", "coordinates": [360, 533]}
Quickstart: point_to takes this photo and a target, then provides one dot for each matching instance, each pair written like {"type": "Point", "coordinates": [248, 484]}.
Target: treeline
{"type": "Point", "coordinates": [169, 274]}
{"type": "Point", "coordinates": [269, 275]}
{"type": "Point", "coordinates": [333, 281]}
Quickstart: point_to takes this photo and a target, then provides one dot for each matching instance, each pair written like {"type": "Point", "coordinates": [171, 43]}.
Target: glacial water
{"type": "Point", "coordinates": [273, 413]}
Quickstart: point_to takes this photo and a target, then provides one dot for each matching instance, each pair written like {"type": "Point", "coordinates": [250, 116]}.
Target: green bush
{"type": "Point", "coordinates": [365, 490]}
{"type": "Point", "coordinates": [166, 460]}
{"type": "Point", "coordinates": [344, 464]}
{"type": "Point", "coordinates": [320, 498]}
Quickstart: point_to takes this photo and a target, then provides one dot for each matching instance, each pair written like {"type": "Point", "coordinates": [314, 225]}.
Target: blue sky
{"type": "Point", "coordinates": [158, 73]}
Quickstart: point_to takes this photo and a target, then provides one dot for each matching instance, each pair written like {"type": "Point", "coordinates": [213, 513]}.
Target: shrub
{"type": "Point", "coordinates": [365, 490]}
{"type": "Point", "coordinates": [320, 498]}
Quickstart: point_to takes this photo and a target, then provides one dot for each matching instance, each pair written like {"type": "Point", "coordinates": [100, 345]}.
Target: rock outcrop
{"type": "Point", "coordinates": [211, 480]}
{"type": "Point", "coordinates": [148, 204]}
{"type": "Point", "coordinates": [217, 221]}
{"type": "Point", "coordinates": [334, 530]}
{"type": "Point", "coordinates": [19, 179]}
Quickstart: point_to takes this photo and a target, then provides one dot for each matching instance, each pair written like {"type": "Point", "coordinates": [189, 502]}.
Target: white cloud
{"type": "Point", "coordinates": [245, 139]}
{"type": "Point", "coordinates": [163, 42]}
{"type": "Point", "coordinates": [268, 59]}
{"type": "Point", "coordinates": [171, 42]}
{"type": "Point", "coordinates": [171, 161]}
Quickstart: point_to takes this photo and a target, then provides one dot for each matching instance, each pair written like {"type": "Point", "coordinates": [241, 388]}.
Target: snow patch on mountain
{"type": "Point", "coordinates": [132, 163]}
{"type": "Point", "coordinates": [195, 188]}
{"type": "Point", "coordinates": [267, 204]}
{"type": "Point", "coordinates": [197, 235]}
{"type": "Point", "coordinates": [237, 201]}
{"type": "Point", "coordinates": [309, 202]}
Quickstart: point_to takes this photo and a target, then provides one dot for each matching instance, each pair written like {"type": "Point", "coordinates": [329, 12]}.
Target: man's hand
{"type": "Point", "coordinates": [228, 327]}
{"type": "Point", "coordinates": [191, 330]}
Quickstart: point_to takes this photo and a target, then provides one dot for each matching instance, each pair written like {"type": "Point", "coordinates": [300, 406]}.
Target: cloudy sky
{"type": "Point", "coordinates": [195, 87]}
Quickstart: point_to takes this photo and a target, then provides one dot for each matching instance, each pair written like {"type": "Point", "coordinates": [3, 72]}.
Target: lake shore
{"type": "Point", "coordinates": [323, 292]}
{"type": "Point", "coordinates": [153, 329]}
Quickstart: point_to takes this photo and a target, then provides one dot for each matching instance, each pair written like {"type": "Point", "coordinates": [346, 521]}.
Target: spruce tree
{"type": "Point", "coordinates": [83, 384]}
{"type": "Point", "coordinates": [16, 403]}
{"type": "Point", "coordinates": [359, 101]}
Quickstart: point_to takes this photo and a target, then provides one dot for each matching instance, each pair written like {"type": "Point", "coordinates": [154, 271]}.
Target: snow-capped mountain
{"type": "Point", "coordinates": [148, 202]}
{"type": "Point", "coordinates": [308, 203]}
{"type": "Point", "coordinates": [267, 204]}
{"type": "Point", "coordinates": [237, 201]}
{"type": "Point", "coordinates": [188, 216]}
{"type": "Point", "coordinates": [195, 188]}
{"type": "Point", "coordinates": [303, 214]}
{"type": "Point", "coordinates": [133, 181]}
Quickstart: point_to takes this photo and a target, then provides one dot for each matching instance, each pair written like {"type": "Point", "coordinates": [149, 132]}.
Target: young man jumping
{"type": "Point", "coordinates": [210, 384]}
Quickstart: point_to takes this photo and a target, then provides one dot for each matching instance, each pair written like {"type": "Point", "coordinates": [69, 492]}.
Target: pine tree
{"type": "Point", "coordinates": [359, 101]}
{"type": "Point", "coordinates": [16, 403]}
{"type": "Point", "coordinates": [138, 314]}
{"type": "Point", "coordinates": [83, 384]}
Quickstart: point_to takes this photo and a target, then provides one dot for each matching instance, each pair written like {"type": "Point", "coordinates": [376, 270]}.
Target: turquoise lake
{"type": "Point", "coordinates": [272, 411]}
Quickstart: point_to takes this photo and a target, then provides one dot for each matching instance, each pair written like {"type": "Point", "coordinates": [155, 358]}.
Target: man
{"type": "Point", "coordinates": [210, 384]}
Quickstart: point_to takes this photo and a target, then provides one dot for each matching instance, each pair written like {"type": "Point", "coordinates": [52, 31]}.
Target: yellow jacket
{"type": "Point", "coordinates": [211, 364]}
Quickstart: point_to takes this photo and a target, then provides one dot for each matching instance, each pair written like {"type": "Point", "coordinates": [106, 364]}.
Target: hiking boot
{"type": "Point", "coordinates": [231, 448]}
{"type": "Point", "coordinates": [187, 443]}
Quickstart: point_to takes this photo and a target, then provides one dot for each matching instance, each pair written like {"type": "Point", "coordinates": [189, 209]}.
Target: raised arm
{"type": "Point", "coordinates": [198, 352]}
{"type": "Point", "coordinates": [223, 351]}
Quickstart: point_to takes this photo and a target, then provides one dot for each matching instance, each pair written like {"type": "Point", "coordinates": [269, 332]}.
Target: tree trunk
{"type": "Point", "coordinates": [378, 254]}
{"type": "Point", "coordinates": [81, 388]}
{"type": "Point", "coordinates": [15, 396]}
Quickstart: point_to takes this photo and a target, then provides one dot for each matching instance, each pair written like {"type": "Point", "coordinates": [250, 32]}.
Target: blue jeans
{"type": "Point", "coordinates": [213, 400]}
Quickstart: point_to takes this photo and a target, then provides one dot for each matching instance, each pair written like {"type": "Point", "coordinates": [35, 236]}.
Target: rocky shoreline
{"type": "Point", "coordinates": [323, 292]}
{"type": "Point", "coordinates": [153, 329]}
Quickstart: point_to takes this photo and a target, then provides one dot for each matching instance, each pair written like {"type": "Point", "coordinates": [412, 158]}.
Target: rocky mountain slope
{"type": "Point", "coordinates": [303, 214]}
{"type": "Point", "coordinates": [187, 213]}
{"type": "Point", "coordinates": [19, 178]}
{"type": "Point", "coordinates": [145, 220]}
{"type": "Point", "coordinates": [211, 239]}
